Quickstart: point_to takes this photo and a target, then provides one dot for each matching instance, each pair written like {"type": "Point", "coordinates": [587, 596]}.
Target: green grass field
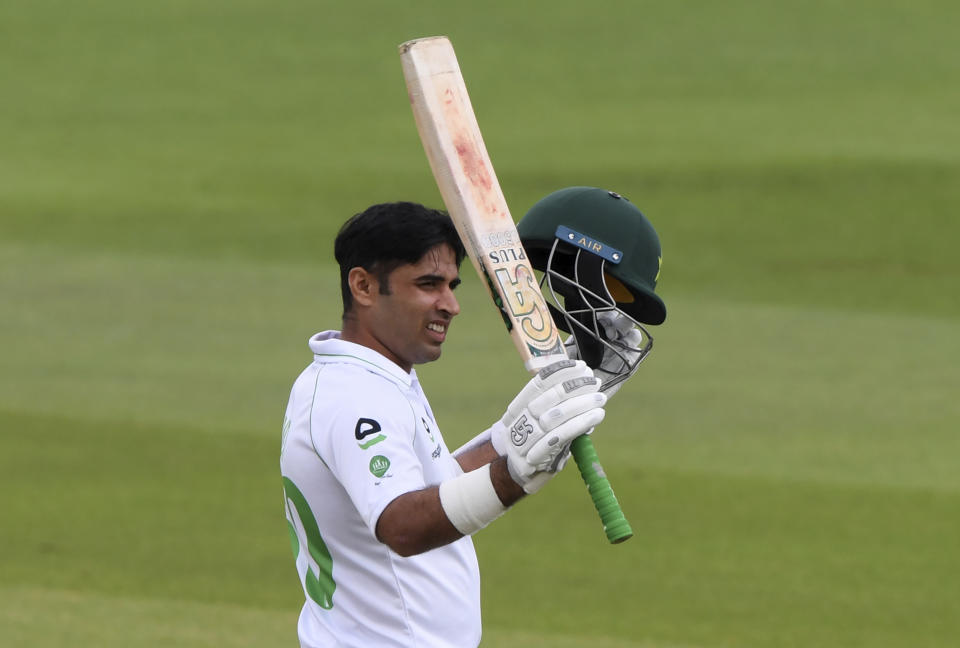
{"type": "Point", "coordinates": [172, 174]}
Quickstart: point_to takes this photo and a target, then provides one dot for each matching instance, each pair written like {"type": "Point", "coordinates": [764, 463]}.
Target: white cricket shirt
{"type": "Point", "coordinates": [358, 433]}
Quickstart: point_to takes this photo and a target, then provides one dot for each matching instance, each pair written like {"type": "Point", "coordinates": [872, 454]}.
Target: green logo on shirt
{"type": "Point", "coordinates": [379, 465]}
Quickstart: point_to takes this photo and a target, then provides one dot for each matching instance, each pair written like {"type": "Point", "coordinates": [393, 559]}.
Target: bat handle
{"type": "Point", "coordinates": [615, 525]}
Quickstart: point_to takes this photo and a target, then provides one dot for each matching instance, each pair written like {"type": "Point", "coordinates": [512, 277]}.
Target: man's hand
{"type": "Point", "coordinates": [621, 332]}
{"type": "Point", "coordinates": [559, 404]}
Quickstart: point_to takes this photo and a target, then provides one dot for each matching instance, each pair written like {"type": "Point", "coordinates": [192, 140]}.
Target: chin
{"type": "Point", "coordinates": [429, 356]}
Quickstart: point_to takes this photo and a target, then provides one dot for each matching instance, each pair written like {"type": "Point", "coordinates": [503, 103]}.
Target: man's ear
{"type": "Point", "coordinates": [363, 286]}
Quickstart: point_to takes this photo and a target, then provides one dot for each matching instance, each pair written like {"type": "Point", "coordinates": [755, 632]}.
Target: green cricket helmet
{"type": "Point", "coordinates": [598, 253]}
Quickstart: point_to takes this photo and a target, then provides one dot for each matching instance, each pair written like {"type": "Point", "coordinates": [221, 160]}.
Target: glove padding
{"type": "Point", "coordinates": [559, 404]}
{"type": "Point", "coordinates": [622, 333]}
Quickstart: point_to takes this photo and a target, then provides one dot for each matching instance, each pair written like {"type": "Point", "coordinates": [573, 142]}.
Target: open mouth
{"type": "Point", "coordinates": [437, 327]}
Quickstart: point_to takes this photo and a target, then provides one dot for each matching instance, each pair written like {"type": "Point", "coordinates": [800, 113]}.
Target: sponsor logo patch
{"type": "Point", "coordinates": [589, 244]}
{"type": "Point", "coordinates": [426, 426]}
{"type": "Point", "coordinates": [365, 427]}
{"type": "Point", "coordinates": [379, 466]}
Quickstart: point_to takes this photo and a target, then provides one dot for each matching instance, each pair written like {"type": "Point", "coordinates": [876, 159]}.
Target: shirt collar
{"type": "Point", "coordinates": [328, 347]}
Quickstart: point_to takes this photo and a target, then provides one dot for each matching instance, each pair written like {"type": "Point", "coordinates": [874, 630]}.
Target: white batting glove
{"type": "Point", "coordinates": [559, 404]}
{"type": "Point", "coordinates": [621, 331]}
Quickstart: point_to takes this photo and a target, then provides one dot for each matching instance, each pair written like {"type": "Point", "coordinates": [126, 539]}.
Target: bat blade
{"type": "Point", "coordinates": [471, 192]}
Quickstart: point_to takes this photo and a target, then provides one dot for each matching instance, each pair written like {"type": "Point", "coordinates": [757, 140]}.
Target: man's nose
{"type": "Point", "coordinates": [449, 303]}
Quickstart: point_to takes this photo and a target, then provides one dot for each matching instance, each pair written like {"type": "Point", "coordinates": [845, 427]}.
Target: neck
{"type": "Point", "coordinates": [352, 331]}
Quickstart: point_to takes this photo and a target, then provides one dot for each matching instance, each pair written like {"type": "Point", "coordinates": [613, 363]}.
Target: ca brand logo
{"type": "Point", "coordinates": [520, 431]}
{"type": "Point", "coordinates": [365, 427]}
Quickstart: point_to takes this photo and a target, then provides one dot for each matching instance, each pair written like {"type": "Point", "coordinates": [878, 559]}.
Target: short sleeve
{"type": "Point", "coordinates": [368, 445]}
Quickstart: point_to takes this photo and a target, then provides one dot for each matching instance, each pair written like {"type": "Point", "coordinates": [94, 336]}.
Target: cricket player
{"type": "Point", "coordinates": [380, 512]}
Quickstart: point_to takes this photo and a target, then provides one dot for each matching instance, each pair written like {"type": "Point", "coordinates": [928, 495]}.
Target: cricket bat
{"type": "Point", "coordinates": [473, 197]}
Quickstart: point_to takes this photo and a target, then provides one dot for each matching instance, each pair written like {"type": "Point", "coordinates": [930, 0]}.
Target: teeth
{"type": "Point", "coordinates": [436, 327]}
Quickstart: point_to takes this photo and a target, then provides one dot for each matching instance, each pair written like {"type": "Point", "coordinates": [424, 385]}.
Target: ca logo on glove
{"type": "Point", "coordinates": [520, 431]}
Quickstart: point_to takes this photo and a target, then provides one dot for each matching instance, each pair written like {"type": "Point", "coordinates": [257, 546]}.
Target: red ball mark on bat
{"type": "Point", "coordinates": [473, 165]}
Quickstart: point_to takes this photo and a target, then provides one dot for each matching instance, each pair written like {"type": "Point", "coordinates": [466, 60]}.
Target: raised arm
{"type": "Point", "coordinates": [526, 448]}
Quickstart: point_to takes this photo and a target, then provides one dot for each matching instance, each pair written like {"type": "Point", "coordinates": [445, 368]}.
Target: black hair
{"type": "Point", "coordinates": [385, 236]}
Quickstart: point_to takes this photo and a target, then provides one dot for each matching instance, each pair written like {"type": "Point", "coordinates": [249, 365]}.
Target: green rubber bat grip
{"type": "Point", "coordinates": [615, 525]}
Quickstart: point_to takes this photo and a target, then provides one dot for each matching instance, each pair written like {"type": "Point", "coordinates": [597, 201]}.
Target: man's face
{"type": "Point", "coordinates": [411, 322]}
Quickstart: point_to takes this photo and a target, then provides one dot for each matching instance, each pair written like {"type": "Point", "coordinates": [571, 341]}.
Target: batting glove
{"type": "Point", "coordinates": [559, 404]}
{"type": "Point", "coordinates": [621, 332]}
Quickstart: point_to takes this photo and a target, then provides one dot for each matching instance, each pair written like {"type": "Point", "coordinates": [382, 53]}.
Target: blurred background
{"type": "Point", "coordinates": [172, 175]}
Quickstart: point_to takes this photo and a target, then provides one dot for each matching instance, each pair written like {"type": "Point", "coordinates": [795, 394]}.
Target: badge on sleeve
{"type": "Point", "coordinates": [379, 466]}
{"type": "Point", "coordinates": [366, 427]}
